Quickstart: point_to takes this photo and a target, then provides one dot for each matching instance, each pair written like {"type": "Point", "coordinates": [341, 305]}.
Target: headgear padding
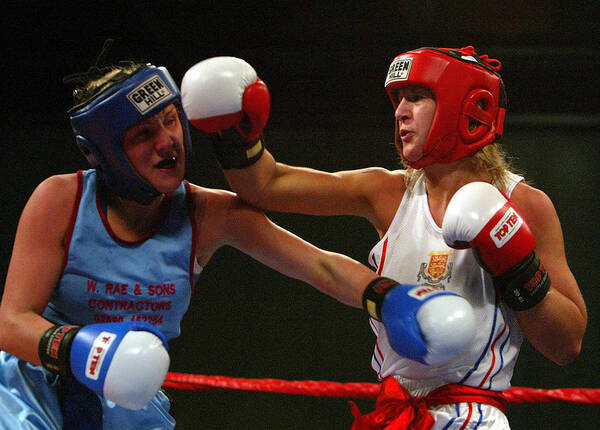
{"type": "Point", "coordinates": [99, 126]}
{"type": "Point", "coordinates": [469, 95]}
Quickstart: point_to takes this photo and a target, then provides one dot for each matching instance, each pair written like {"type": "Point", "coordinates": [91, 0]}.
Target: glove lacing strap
{"type": "Point", "coordinates": [233, 151]}
{"type": "Point", "coordinates": [55, 347]}
{"type": "Point", "coordinates": [374, 294]}
{"type": "Point", "coordinates": [525, 285]}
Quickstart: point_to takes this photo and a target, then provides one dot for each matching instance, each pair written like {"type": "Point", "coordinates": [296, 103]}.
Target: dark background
{"type": "Point", "coordinates": [325, 64]}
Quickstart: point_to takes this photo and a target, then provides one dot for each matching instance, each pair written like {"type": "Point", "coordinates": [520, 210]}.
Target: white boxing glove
{"type": "Point", "coordinates": [448, 326]}
{"type": "Point", "coordinates": [137, 371]}
{"type": "Point", "coordinates": [223, 96]}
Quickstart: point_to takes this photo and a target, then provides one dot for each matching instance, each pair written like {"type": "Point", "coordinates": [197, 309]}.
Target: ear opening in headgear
{"type": "Point", "coordinates": [476, 119]}
{"type": "Point", "coordinates": [87, 151]}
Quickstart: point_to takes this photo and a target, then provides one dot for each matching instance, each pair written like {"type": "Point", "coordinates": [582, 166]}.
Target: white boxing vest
{"type": "Point", "coordinates": [413, 251]}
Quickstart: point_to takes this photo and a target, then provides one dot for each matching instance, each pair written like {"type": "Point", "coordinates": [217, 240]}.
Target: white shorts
{"type": "Point", "coordinates": [468, 416]}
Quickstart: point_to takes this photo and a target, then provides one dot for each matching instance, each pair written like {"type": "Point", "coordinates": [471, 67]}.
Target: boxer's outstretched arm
{"type": "Point", "coordinates": [224, 97]}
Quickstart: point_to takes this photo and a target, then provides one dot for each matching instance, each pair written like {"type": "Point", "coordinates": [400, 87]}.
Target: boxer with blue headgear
{"type": "Point", "coordinates": [105, 261]}
{"type": "Point", "coordinates": [123, 98]}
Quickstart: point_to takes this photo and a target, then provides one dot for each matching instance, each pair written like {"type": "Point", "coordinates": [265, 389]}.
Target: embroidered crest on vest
{"type": "Point", "coordinates": [437, 269]}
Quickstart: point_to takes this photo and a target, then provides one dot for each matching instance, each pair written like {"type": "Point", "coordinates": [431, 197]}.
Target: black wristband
{"type": "Point", "coordinates": [55, 347]}
{"type": "Point", "coordinates": [233, 151]}
{"type": "Point", "coordinates": [375, 293]}
{"type": "Point", "coordinates": [525, 285]}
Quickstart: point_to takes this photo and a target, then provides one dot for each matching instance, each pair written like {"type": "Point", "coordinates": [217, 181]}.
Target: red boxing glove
{"type": "Point", "coordinates": [482, 217]}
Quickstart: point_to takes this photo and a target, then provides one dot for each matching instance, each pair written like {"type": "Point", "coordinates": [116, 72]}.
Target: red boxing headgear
{"type": "Point", "coordinates": [467, 89]}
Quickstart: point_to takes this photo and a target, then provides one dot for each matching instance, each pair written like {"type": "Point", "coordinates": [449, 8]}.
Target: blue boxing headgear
{"type": "Point", "coordinates": [99, 125]}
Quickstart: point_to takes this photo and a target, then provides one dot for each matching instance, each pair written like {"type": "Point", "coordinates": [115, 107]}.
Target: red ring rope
{"type": "Point", "coordinates": [184, 381]}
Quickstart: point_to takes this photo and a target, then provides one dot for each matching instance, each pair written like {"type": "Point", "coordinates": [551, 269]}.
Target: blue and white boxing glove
{"type": "Point", "coordinates": [423, 323]}
{"type": "Point", "coordinates": [125, 363]}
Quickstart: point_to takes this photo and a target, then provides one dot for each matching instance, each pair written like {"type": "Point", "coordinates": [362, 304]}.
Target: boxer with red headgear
{"type": "Point", "coordinates": [455, 220]}
{"type": "Point", "coordinates": [469, 95]}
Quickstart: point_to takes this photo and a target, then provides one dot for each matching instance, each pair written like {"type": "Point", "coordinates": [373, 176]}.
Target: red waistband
{"type": "Point", "coordinates": [457, 393]}
{"type": "Point", "coordinates": [396, 408]}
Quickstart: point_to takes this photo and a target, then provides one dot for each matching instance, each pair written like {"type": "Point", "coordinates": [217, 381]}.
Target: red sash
{"type": "Point", "coordinates": [396, 409]}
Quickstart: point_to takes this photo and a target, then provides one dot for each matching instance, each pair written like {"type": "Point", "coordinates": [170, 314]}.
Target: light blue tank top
{"type": "Point", "coordinates": [106, 279]}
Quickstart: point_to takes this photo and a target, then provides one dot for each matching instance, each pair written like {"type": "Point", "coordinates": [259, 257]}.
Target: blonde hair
{"type": "Point", "coordinates": [491, 159]}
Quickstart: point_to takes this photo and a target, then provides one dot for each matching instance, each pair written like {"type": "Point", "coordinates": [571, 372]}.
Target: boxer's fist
{"type": "Point", "coordinates": [479, 215]}
{"type": "Point", "coordinates": [125, 363]}
{"type": "Point", "coordinates": [423, 323]}
{"type": "Point", "coordinates": [216, 94]}
{"type": "Point", "coordinates": [223, 96]}
{"type": "Point", "coordinates": [482, 217]}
